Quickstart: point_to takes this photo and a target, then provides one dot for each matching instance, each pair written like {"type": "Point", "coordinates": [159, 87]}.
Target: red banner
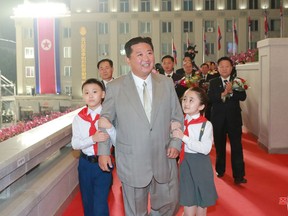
{"type": "Point", "coordinates": [45, 56]}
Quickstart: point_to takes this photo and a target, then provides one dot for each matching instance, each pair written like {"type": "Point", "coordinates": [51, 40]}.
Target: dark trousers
{"type": "Point", "coordinates": [234, 134]}
{"type": "Point", "coordinates": [94, 186]}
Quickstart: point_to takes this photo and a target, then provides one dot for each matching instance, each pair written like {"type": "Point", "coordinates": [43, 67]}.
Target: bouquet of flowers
{"type": "Point", "coordinates": [238, 84]}
{"type": "Point", "coordinates": [189, 82]}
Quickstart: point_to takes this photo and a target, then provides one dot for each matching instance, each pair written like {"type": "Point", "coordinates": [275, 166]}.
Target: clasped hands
{"type": "Point", "coordinates": [227, 92]}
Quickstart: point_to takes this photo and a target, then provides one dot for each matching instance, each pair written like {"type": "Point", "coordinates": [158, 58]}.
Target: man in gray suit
{"type": "Point", "coordinates": [145, 152]}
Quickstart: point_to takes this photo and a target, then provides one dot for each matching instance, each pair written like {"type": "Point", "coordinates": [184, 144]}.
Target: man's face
{"type": "Point", "coordinates": [105, 71]}
{"type": "Point", "coordinates": [141, 60]}
{"type": "Point", "coordinates": [204, 69]}
{"type": "Point", "coordinates": [225, 68]}
{"type": "Point", "coordinates": [188, 68]}
{"type": "Point", "coordinates": [168, 65]}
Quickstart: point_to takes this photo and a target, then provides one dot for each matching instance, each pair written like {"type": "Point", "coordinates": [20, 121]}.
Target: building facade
{"type": "Point", "coordinates": [100, 28]}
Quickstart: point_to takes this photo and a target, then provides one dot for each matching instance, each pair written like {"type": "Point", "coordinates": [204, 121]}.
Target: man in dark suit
{"type": "Point", "coordinates": [168, 67]}
{"type": "Point", "coordinates": [226, 119]}
{"type": "Point", "coordinates": [204, 83]}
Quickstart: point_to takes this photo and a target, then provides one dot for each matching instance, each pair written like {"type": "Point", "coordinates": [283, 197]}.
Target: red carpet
{"type": "Point", "coordinates": [265, 193]}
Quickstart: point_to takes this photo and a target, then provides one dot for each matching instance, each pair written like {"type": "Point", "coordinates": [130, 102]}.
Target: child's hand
{"type": "Point", "coordinates": [104, 123]}
{"type": "Point", "coordinates": [175, 125]}
{"type": "Point", "coordinates": [178, 133]}
{"type": "Point", "coordinates": [100, 136]}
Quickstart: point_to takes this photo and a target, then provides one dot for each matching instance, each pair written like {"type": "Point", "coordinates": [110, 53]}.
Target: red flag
{"type": "Point", "coordinates": [266, 26]}
{"type": "Point", "coordinates": [205, 44]}
{"type": "Point", "coordinates": [46, 56]}
{"type": "Point", "coordinates": [219, 38]}
{"type": "Point", "coordinates": [235, 33]}
{"type": "Point", "coordinates": [174, 52]}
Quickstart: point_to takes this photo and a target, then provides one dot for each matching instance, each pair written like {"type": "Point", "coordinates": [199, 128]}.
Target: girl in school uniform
{"type": "Point", "coordinates": [197, 188]}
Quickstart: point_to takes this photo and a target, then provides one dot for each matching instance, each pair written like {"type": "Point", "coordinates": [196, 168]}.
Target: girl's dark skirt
{"type": "Point", "coordinates": [197, 186]}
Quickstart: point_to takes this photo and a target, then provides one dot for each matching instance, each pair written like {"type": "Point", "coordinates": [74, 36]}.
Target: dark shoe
{"type": "Point", "coordinates": [220, 175]}
{"type": "Point", "coordinates": [240, 181]}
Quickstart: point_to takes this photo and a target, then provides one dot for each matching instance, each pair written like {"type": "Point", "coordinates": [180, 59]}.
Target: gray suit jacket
{"type": "Point", "coordinates": [141, 147]}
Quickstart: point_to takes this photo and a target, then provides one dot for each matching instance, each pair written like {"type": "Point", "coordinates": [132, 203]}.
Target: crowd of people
{"type": "Point", "coordinates": [162, 131]}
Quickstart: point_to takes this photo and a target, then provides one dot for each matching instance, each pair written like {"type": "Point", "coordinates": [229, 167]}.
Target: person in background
{"type": "Point", "coordinates": [168, 67]}
{"type": "Point", "coordinates": [105, 67]}
{"type": "Point", "coordinates": [144, 104]}
{"type": "Point", "coordinates": [94, 183]}
{"type": "Point", "coordinates": [181, 71]}
{"type": "Point", "coordinates": [204, 84]}
{"type": "Point", "coordinates": [197, 187]}
{"type": "Point", "coordinates": [226, 119]}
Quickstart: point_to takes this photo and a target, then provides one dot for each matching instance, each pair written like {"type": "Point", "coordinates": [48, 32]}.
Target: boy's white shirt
{"type": "Point", "coordinates": [80, 133]}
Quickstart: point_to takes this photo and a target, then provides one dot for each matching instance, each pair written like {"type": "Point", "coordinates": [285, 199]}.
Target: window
{"type": "Point", "coordinates": [68, 90]}
{"type": "Point", "coordinates": [254, 25]}
{"type": "Point", "coordinates": [210, 47]}
{"type": "Point", "coordinates": [67, 52]}
{"type": "Point", "coordinates": [188, 26]}
{"type": "Point", "coordinates": [29, 90]}
{"type": "Point", "coordinates": [209, 4]}
{"type": "Point", "coordinates": [253, 45]}
{"type": "Point", "coordinates": [28, 33]}
{"type": "Point", "coordinates": [275, 4]}
{"type": "Point", "coordinates": [29, 52]}
{"type": "Point", "coordinates": [103, 6]}
{"type": "Point", "coordinates": [124, 28]}
{"type": "Point", "coordinates": [67, 32]}
{"type": "Point", "coordinates": [29, 71]}
{"type": "Point", "coordinates": [103, 28]}
{"type": "Point", "coordinates": [231, 48]}
{"type": "Point", "coordinates": [229, 27]}
{"type": "Point", "coordinates": [67, 71]}
{"type": "Point", "coordinates": [122, 49]}
{"type": "Point", "coordinates": [166, 49]}
{"type": "Point", "coordinates": [124, 5]}
{"type": "Point", "coordinates": [166, 27]}
{"type": "Point", "coordinates": [166, 5]}
{"type": "Point", "coordinates": [274, 25]}
{"type": "Point", "coordinates": [209, 26]}
{"type": "Point", "coordinates": [187, 5]}
{"type": "Point", "coordinates": [103, 50]}
{"type": "Point", "coordinates": [231, 4]}
{"type": "Point", "coordinates": [145, 5]}
{"type": "Point", "coordinates": [145, 27]}
{"type": "Point", "coordinates": [253, 4]}
{"type": "Point", "coordinates": [124, 69]}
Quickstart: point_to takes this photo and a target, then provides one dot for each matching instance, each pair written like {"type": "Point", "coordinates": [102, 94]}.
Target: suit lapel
{"type": "Point", "coordinates": [157, 93]}
{"type": "Point", "coordinates": [133, 98]}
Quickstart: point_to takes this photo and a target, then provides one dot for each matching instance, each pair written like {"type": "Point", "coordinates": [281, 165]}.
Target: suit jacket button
{"type": "Point", "coordinates": [150, 129]}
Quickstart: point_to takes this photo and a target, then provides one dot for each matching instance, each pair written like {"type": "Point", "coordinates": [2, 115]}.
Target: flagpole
{"type": "Point", "coordinates": [249, 33]}
{"type": "Point", "coordinates": [233, 50]}
{"type": "Point", "coordinates": [172, 46]}
{"type": "Point", "coordinates": [281, 19]}
{"type": "Point", "coordinates": [217, 41]}
{"type": "Point", "coordinates": [203, 46]}
{"type": "Point", "coordinates": [187, 40]}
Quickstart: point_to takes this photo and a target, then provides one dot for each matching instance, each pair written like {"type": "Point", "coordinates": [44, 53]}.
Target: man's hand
{"type": "Point", "coordinates": [172, 153]}
{"type": "Point", "coordinates": [105, 163]}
